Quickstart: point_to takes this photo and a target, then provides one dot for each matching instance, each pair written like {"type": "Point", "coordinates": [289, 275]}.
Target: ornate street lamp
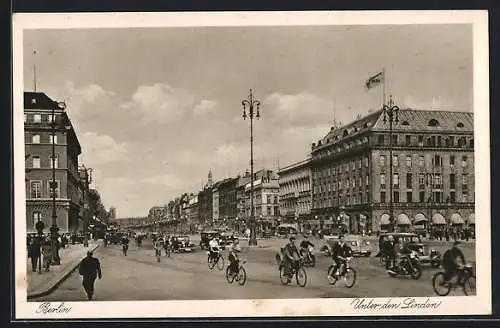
{"type": "Point", "coordinates": [250, 103]}
{"type": "Point", "coordinates": [88, 181]}
{"type": "Point", "coordinates": [391, 116]}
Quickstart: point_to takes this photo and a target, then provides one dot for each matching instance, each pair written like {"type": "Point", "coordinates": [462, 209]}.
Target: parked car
{"type": "Point", "coordinates": [413, 242]}
{"type": "Point", "coordinates": [329, 234]}
{"type": "Point", "coordinates": [115, 238]}
{"type": "Point", "coordinates": [206, 236]}
{"type": "Point", "coordinates": [360, 245]}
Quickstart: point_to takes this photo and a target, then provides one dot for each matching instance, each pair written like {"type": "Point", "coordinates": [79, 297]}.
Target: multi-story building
{"type": "Point", "coordinates": [192, 213]}
{"type": "Point", "coordinates": [130, 223]}
{"type": "Point", "coordinates": [239, 224]}
{"type": "Point", "coordinates": [432, 180]}
{"type": "Point", "coordinates": [266, 200]}
{"type": "Point", "coordinates": [295, 195]}
{"type": "Point", "coordinates": [227, 200]}
{"type": "Point", "coordinates": [205, 200]}
{"type": "Point", "coordinates": [38, 140]}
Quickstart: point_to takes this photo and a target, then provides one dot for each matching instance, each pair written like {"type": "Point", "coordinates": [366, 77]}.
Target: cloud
{"type": "Point", "coordinates": [436, 103]}
{"type": "Point", "coordinates": [204, 106]}
{"type": "Point", "coordinates": [100, 149]}
{"type": "Point", "coordinates": [89, 93]}
{"type": "Point", "coordinates": [168, 180]}
{"type": "Point", "coordinates": [302, 109]}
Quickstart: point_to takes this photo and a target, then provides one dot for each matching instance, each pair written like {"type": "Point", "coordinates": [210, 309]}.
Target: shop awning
{"type": "Point", "coordinates": [419, 218]}
{"type": "Point", "coordinates": [384, 219]}
{"type": "Point", "coordinates": [472, 218]}
{"type": "Point", "coordinates": [456, 219]}
{"type": "Point", "coordinates": [403, 219]}
{"type": "Point", "coordinates": [438, 219]}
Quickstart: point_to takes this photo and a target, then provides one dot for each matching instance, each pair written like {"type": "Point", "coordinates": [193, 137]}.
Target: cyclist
{"type": "Point", "coordinates": [340, 251]}
{"type": "Point", "coordinates": [124, 242]}
{"type": "Point", "coordinates": [305, 244]}
{"type": "Point", "coordinates": [214, 248]}
{"type": "Point", "coordinates": [289, 256]}
{"type": "Point", "coordinates": [453, 261]}
{"type": "Point", "coordinates": [233, 256]}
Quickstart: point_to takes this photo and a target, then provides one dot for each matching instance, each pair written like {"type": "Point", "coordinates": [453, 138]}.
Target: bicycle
{"type": "Point", "coordinates": [347, 273]}
{"type": "Point", "coordinates": [297, 270]}
{"type": "Point", "coordinates": [218, 260]}
{"type": "Point", "coordinates": [240, 276]}
{"type": "Point", "coordinates": [464, 279]}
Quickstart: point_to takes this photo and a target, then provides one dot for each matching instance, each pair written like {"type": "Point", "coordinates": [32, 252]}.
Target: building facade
{"type": "Point", "coordinates": [432, 165]}
{"type": "Point", "coordinates": [38, 142]}
{"type": "Point", "coordinates": [295, 195]}
{"type": "Point", "coordinates": [228, 210]}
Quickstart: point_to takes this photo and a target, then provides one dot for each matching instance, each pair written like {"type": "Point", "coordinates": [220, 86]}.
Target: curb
{"type": "Point", "coordinates": [59, 281]}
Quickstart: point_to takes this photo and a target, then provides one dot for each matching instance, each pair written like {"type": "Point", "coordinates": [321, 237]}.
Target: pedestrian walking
{"type": "Point", "coordinates": [90, 270]}
{"type": "Point", "coordinates": [34, 253]}
{"type": "Point", "coordinates": [46, 254]}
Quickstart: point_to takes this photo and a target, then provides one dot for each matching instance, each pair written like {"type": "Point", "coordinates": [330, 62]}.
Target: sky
{"type": "Point", "coordinates": [156, 108]}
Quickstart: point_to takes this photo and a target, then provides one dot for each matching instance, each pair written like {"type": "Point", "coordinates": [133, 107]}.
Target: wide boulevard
{"type": "Point", "coordinates": [138, 276]}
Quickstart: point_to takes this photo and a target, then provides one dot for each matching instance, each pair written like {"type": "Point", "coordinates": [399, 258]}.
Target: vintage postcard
{"type": "Point", "coordinates": [251, 164]}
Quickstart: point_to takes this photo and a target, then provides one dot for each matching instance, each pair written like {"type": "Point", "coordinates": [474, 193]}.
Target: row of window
{"type": "Point", "coordinates": [431, 141]}
{"type": "Point", "coordinates": [37, 118]}
{"type": "Point", "coordinates": [434, 180]}
{"type": "Point", "coordinates": [437, 160]}
{"type": "Point", "coordinates": [36, 189]}
{"type": "Point", "coordinates": [35, 139]}
{"type": "Point", "coordinates": [53, 162]}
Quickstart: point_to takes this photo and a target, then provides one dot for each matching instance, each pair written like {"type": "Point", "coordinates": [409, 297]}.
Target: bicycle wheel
{"type": "Point", "coordinates": [301, 277]}
{"type": "Point", "coordinates": [469, 286]}
{"type": "Point", "coordinates": [283, 276]}
{"type": "Point", "coordinates": [332, 278]}
{"type": "Point", "coordinates": [349, 277]}
{"type": "Point", "coordinates": [211, 262]}
{"type": "Point", "coordinates": [242, 276]}
{"type": "Point", "coordinates": [229, 275]}
{"type": "Point", "coordinates": [438, 284]}
{"type": "Point", "coordinates": [220, 263]}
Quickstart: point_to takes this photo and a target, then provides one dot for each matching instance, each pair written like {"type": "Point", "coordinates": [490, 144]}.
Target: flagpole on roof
{"type": "Point", "coordinates": [383, 86]}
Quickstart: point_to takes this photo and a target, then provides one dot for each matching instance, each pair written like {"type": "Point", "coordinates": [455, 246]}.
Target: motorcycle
{"type": "Point", "coordinates": [308, 255]}
{"type": "Point", "coordinates": [408, 265]}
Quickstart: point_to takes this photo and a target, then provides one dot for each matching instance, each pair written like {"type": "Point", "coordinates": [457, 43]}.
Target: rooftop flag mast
{"type": "Point", "coordinates": [34, 70]}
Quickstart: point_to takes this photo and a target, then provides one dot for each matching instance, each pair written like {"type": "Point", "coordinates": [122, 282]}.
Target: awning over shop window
{"type": "Point", "coordinates": [419, 218]}
{"type": "Point", "coordinates": [384, 219]}
{"type": "Point", "coordinates": [456, 219]}
{"type": "Point", "coordinates": [472, 218]}
{"type": "Point", "coordinates": [403, 219]}
{"type": "Point", "coordinates": [438, 219]}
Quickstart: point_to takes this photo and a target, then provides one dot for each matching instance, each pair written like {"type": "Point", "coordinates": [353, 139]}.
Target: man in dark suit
{"type": "Point", "coordinates": [90, 269]}
{"type": "Point", "coordinates": [34, 252]}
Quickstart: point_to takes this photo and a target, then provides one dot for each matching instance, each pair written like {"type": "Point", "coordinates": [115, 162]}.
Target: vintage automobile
{"type": "Point", "coordinates": [115, 238]}
{"type": "Point", "coordinates": [412, 241]}
{"type": "Point", "coordinates": [360, 245]}
{"type": "Point", "coordinates": [185, 244]}
{"type": "Point", "coordinates": [77, 238]}
{"type": "Point", "coordinates": [226, 239]}
{"type": "Point", "coordinates": [206, 236]}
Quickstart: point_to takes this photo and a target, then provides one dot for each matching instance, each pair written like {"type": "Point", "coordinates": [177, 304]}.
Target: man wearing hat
{"type": "Point", "coordinates": [453, 261]}
{"type": "Point", "coordinates": [290, 252]}
{"type": "Point", "coordinates": [90, 269]}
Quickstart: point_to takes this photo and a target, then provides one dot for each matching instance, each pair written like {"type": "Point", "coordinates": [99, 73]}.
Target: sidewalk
{"type": "Point", "coordinates": [43, 284]}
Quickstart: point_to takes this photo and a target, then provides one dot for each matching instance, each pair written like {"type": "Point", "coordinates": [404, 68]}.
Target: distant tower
{"type": "Point", "coordinates": [210, 181]}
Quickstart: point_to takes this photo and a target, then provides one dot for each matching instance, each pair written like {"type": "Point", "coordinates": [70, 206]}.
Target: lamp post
{"type": "Point", "coordinates": [88, 181]}
{"type": "Point", "coordinates": [390, 115]}
{"type": "Point", "coordinates": [250, 103]}
{"type": "Point", "coordinates": [429, 181]}
{"type": "Point", "coordinates": [54, 229]}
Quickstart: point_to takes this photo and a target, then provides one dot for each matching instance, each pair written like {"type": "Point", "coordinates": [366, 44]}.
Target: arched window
{"type": "Point", "coordinates": [405, 123]}
{"type": "Point", "coordinates": [433, 122]}
{"type": "Point", "coordinates": [460, 125]}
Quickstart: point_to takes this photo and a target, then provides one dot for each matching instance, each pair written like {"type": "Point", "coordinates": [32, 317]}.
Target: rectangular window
{"type": "Point", "coordinates": [464, 181]}
{"type": "Point", "coordinates": [437, 161]}
{"type": "Point", "coordinates": [37, 216]}
{"type": "Point", "coordinates": [453, 197]}
{"type": "Point", "coordinates": [420, 141]}
{"type": "Point", "coordinates": [421, 161]}
{"type": "Point", "coordinates": [382, 196]}
{"type": "Point", "coordinates": [366, 161]}
{"type": "Point", "coordinates": [438, 197]}
{"type": "Point", "coordinates": [395, 139]}
{"type": "Point", "coordinates": [438, 181]}
{"type": "Point", "coordinates": [268, 199]}
{"type": "Point", "coordinates": [395, 160]}
{"type": "Point", "coordinates": [36, 189]}
{"type": "Point", "coordinates": [50, 189]}
{"type": "Point", "coordinates": [55, 163]}
{"type": "Point", "coordinates": [382, 160]}
{"type": "Point", "coordinates": [439, 141]}
{"type": "Point", "coordinates": [367, 180]}
{"type": "Point", "coordinates": [421, 196]}
{"type": "Point", "coordinates": [353, 165]}
{"type": "Point", "coordinates": [382, 181]}
{"type": "Point", "coordinates": [36, 162]}
{"type": "Point", "coordinates": [50, 139]}
{"type": "Point", "coordinates": [35, 139]}
{"type": "Point", "coordinates": [269, 210]}
{"type": "Point", "coordinates": [25, 118]}
{"type": "Point", "coordinates": [409, 180]}
{"type": "Point", "coordinates": [452, 181]}
{"type": "Point", "coordinates": [37, 118]}
{"type": "Point", "coordinates": [396, 197]}
{"type": "Point", "coordinates": [408, 161]}
{"type": "Point", "coordinates": [464, 161]}
{"type": "Point", "coordinates": [381, 139]}
{"type": "Point", "coordinates": [395, 180]}
{"type": "Point", "coordinates": [452, 160]}
{"type": "Point", "coordinates": [409, 197]}
{"type": "Point", "coordinates": [359, 163]}
{"type": "Point", "coordinates": [407, 140]}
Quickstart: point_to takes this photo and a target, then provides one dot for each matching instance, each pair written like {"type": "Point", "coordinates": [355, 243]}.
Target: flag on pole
{"type": "Point", "coordinates": [375, 80]}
